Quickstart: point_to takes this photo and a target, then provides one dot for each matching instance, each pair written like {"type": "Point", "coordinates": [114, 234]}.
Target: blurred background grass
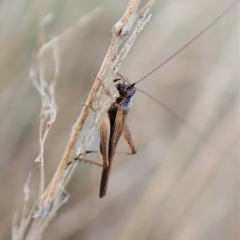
{"type": "Point", "coordinates": [177, 186]}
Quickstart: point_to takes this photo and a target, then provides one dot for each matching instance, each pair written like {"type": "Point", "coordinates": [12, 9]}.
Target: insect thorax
{"type": "Point", "coordinates": [124, 103]}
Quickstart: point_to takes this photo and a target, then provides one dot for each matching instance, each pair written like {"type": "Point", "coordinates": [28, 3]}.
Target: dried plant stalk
{"type": "Point", "coordinates": [29, 227]}
{"type": "Point", "coordinates": [48, 201]}
{"type": "Point", "coordinates": [110, 64]}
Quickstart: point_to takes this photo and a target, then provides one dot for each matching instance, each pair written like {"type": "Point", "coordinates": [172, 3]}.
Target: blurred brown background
{"type": "Point", "coordinates": [178, 186]}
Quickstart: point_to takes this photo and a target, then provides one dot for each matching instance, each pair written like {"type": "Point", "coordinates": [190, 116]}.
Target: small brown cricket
{"type": "Point", "coordinates": [114, 125]}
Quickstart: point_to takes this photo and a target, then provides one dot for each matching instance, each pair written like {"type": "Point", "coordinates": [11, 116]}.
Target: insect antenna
{"type": "Point", "coordinates": [181, 120]}
{"type": "Point", "coordinates": [192, 40]}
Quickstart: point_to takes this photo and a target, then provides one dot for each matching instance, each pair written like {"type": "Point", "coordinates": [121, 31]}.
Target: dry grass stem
{"type": "Point", "coordinates": [30, 228]}
{"type": "Point", "coordinates": [49, 200]}
{"type": "Point", "coordinates": [106, 72]}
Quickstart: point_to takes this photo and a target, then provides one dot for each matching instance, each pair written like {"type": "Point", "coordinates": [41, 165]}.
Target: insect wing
{"type": "Point", "coordinates": [105, 131]}
{"type": "Point", "coordinates": [115, 135]}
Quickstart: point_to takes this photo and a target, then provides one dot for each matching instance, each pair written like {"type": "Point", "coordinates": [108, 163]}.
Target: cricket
{"type": "Point", "coordinates": [112, 127]}
{"type": "Point", "coordinates": [114, 123]}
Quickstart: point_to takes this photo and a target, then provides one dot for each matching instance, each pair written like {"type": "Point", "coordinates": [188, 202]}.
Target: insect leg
{"type": "Point", "coordinates": [118, 152]}
{"type": "Point", "coordinates": [87, 161]}
{"type": "Point", "coordinates": [105, 130]}
{"type": "Point", "coordinates": [104, 144]}
{"type": "Point", "coordinates": [104, 88]}
{"type": "Point", "coordinates": [128, 137]}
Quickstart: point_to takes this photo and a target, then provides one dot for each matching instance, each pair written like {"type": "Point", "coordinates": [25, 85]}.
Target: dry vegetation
{"type": "Point", "coordinates": [178, 185]}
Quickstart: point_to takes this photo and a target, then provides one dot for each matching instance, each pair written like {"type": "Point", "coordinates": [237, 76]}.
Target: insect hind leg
{"type": "Point", "coordinates": [78, 158]}
{"type": "Point", "coordinates": [128, 137]}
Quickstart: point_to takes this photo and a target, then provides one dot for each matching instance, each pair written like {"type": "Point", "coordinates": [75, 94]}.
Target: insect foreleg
{"type": "Point", "coordinates": [104, 88]}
